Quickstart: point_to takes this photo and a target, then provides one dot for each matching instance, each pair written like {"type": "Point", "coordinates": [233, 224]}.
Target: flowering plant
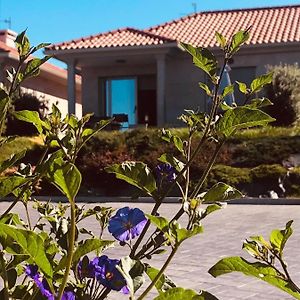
{"type": "Point", "coordinates": [52, 260]}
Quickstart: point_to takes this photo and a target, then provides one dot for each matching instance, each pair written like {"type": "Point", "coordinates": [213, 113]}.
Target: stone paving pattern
{"type": "Point", "coordinates": [224, 232]}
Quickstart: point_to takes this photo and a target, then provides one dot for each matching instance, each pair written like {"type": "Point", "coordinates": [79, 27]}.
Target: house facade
{"type": "Point", "coordinates": [144, 74]}
{"type": "Point", "coordinates": [50, 85]}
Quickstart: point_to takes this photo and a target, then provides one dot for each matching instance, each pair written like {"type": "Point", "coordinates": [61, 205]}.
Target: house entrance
{"type": "Point", "coordinates": [121, 98]}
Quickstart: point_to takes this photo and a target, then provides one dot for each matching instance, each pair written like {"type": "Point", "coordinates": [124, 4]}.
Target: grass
{"type": "Point", "coordinates": [18, 145]}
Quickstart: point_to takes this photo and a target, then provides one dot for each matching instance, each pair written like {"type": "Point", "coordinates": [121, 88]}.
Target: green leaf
{"type": "Point", "coordinates": [259, 270]}
{"type": "Point", "coordinates": [178, 143]}
{"type": "Point", "coordinates": [183, 233]}
{"type": "Point", "coordinates": [31, 244]}
{"type": "Point", "coordinates": [228, 90]}
{"type": "Point", "coordinates": [160, 222]}
{"type": "Point", "coordinates": [30, 117]}
{"type": "Point", "coordinates": [278, 238]}
{"type": "Point", "coordinates": [132, 271]}
{"type": "Point", "coordinates": [164, 283]}
{"type": "Point", "coordinates": [83, 248]}
{"type": "Point", "coordinates": [238, 40]}
{"type": "Point", "coordinates": [260, 102]}
{"type": "Point", "coordinates": [221, 192]}
{"type": "Point", "coordinates": [135, 173]}
{"type": "Point", "coordinates": [11, 161]}
{"type": "Point", "coordinates": [224, 106]}
{"type": "Point", "coordinates": [12, 278]}
{"type": "Point", "coordinates": [88, 132]}
{"type": "Point", "coordinates": [22, 44]}
{"type": "Point", "coordinates": [205, 88]}
{"type": "Point", "coordinates": [4, 104]}
{"type": "Point", "coordinates": [40, 46]}
{"type": "Point", "coordinates": [72, 121]}
{"type": "Point", "coordinates": [221, 40]}
{"type": "Point", "coordinates": [240, 118]}
{"type": "Point", "coordinates": [179, 293]}
{"type": "Point", "coordinates": [202, 58]}
{"type": "Point", "coordinates": [9, 184]}
{"type": "Point", "coordinates": [65, 176]}
{"type": "Point", "coordinates": [210, 209]}
{"type": "Point", "coordinates": [33, 65]}
{"type": "Point", "coordinates": [242, 87]}
{"type": "Point", "coordinates": [252, 248]}
{"type": "Point", "coordinates": [258, 83]}
{"type": "Point", "coordinates": [173, 161]}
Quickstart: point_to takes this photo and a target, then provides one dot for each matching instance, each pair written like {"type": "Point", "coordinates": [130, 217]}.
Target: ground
{"type": "Point", "coordinates": [224, 232]}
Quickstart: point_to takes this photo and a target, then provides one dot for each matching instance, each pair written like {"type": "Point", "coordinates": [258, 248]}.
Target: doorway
{"type": "Point", "coordinates": [121, 99]}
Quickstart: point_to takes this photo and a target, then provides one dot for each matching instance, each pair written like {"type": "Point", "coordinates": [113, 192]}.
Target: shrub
{"type": "Point", "coordinates": [25, 102]}
{"type": "Point", "coordinates": [284, 92]}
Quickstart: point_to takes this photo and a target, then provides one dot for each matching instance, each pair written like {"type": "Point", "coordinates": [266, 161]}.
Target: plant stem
{"type": "Point", "coordinates": [151, 285]}
{"type": "Point", "coordinates": [71, 247]}
{"type": "Point", "coordinates": [207, 170]}
{"type": "Point", "coordinates": [187, 165]}
{"type": "Point", "coordinates": [26, 186]}
{"type": "Point", "coordinates": [27, 215]}
{"type": "Point", "coordinates": [5, 277]}
{"type": "Point", "coordinates": [286, 272]}
{"type": "Point", "coordinates": [187, 183]}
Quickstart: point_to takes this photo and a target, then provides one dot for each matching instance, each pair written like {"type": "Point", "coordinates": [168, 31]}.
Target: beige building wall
{"type": "Point", "coordinates": [182, 89]}
{"type": "Point", "coordinates": [91, 82]}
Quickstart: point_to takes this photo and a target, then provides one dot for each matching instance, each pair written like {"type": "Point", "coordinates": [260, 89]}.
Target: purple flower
{"type": "Point", "coordinates": [165, 170]}
{"type": "Point", "coordinates": [86, 268]}
{"type": "Point", "coordinates": [32, 272]}
{"type": "Point", "coordinates": [68, 296]}
{"type": "Point", "coordinates": [127, 223]}
{"type": "Point", "coordinates": [108, 275]}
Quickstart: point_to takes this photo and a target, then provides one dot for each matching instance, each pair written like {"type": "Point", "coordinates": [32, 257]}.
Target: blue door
{"type": "Point", "coordinates": [121, 98]}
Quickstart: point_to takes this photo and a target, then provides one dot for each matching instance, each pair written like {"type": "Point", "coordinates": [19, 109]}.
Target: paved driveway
{"type": "Point", "coordinates": [224, 232]}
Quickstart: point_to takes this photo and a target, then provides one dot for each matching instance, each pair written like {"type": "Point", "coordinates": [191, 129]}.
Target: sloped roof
{"type": "Point", "coordinates": [117, 38]}
{"type": "Point", "coordinates": [268, 25]}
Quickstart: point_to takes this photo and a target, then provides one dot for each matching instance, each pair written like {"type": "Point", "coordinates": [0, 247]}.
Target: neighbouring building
{"type": "Point", "coordinates": [50, 85]}
{"type": "Point", "coordinates": [144, 74]}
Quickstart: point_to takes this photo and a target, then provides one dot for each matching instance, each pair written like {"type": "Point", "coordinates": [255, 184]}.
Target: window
{"type": "Point", "coordinates": [120, 98]}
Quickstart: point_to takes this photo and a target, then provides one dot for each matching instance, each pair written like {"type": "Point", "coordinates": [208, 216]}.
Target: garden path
{"type": "Point", "coordinates": [224, 232]}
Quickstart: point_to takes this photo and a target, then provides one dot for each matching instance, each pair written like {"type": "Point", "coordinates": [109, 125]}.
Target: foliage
{"type": "Point", "coordinates": [284, 92]}
{"type": "Point", "coordinates": [24, 102]}
{"type": "Point", "coordinates": [49, 259]}
{"type": "Point", "coordinates": [270, 266]}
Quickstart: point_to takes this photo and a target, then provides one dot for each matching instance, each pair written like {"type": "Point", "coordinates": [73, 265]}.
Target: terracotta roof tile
{"type": "Point", "coordinates": [46, 66]}
{"type": "Point", "coordinates": [117, 38]}
{"type": "Point", "coordinates": [269, 25]}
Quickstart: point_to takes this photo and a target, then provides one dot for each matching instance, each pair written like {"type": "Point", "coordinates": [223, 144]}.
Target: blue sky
{"type": "Point", "coordinates": [60, 20]}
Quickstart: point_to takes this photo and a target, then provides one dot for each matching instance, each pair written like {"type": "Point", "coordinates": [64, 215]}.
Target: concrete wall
{"type": "Point", "coordinates": [46, 86]}
{"type": "Point", "coordinates": [91, 82]}
{"type": "Point", "coordinates": [182, 89]}
{"type": "Point", "coordinates": [182, 78]}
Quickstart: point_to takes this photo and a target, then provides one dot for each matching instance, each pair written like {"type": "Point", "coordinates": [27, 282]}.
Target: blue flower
{"type": "Point", "coordinates": [127, 223]}
{"type": "Point", "coordinates": [86, 269]}
{"type": "Point", "coordinates": [32, 272]}
{"type": "Point", "coordinates": [68, 296]}
{"type": "Point", "coordinates": [108, 275]}
{"type": "Point", "coordinates": [165, 170]}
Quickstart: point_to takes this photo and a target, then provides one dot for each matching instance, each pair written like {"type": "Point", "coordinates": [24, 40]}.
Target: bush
{"type": "Point", "coordinates": [284, 92]}
{"type": "Point", "coordinates": [24, 102]}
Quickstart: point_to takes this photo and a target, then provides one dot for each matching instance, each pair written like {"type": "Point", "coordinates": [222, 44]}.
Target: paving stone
{"type": "Point", "coordinates": [224, 232]}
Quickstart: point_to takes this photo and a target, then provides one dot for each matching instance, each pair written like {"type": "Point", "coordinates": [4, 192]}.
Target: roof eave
{"type": "Point", "coordinates": [109, 49]}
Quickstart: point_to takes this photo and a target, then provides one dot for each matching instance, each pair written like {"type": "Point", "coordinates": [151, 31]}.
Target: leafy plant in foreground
{"type": "Point", "coordinates": [51, 258]}
{"type": "Point", "coordinates": [270, 266]}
